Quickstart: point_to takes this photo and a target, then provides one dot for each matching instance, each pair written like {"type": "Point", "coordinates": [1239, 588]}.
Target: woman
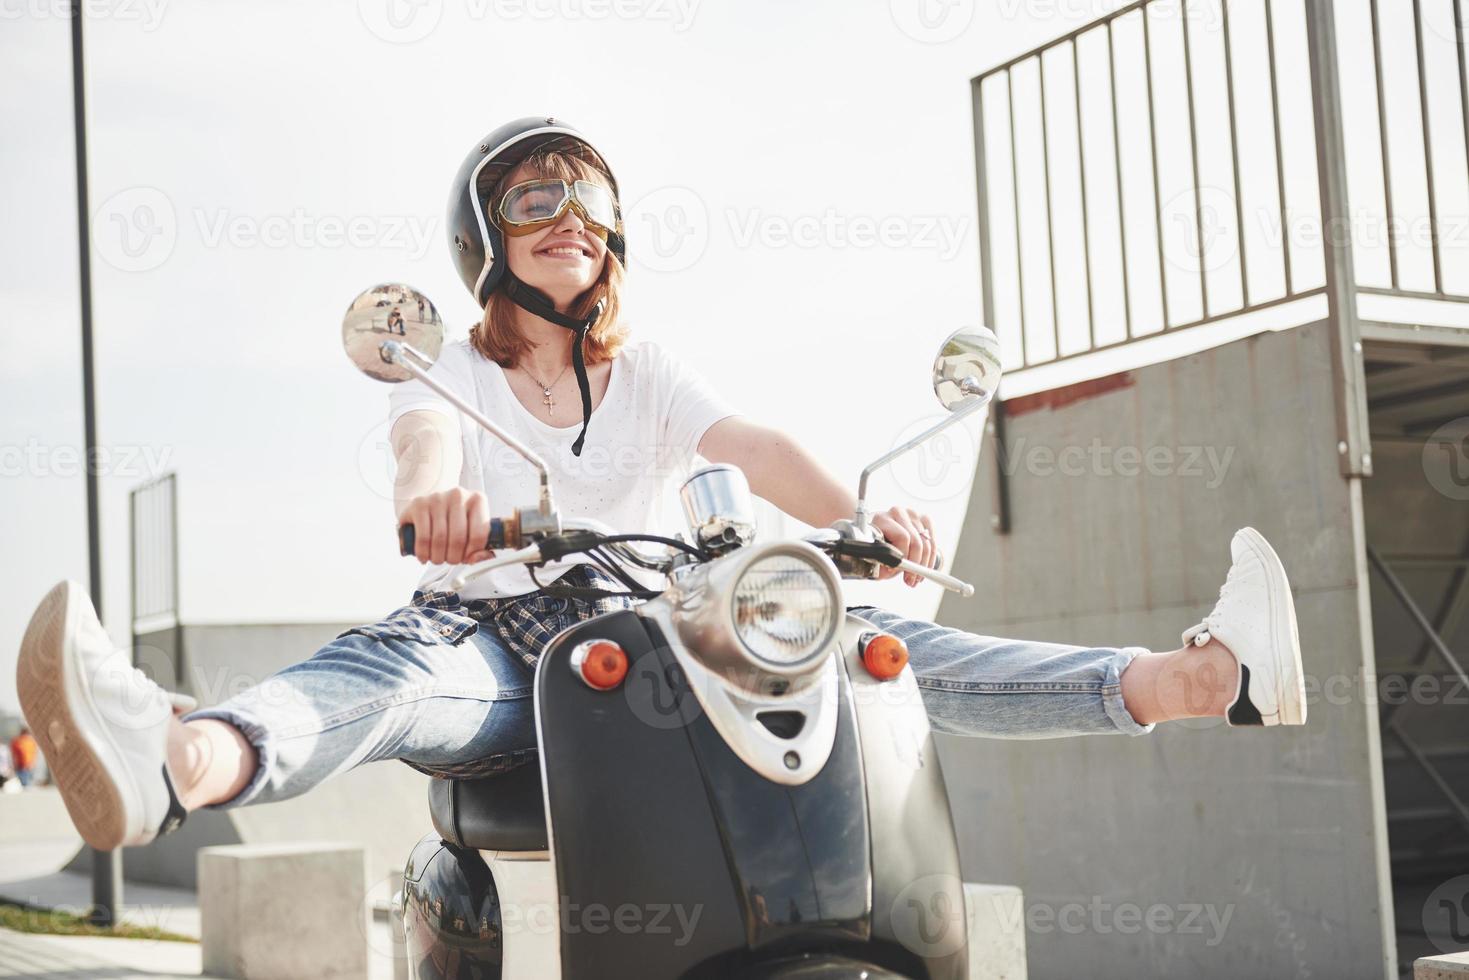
{"type": "Point", "coordinates": [444, 683]}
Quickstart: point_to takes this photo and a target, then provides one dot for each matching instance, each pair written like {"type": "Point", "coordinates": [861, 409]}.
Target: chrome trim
{"type": "Point", "coordinates": [526, 880]}
{"type": "Point", "coordinates": [731, 708]}
{"type": "Point", "coordinates": [701, 612]}
{"type": "Point", "coordinates": [716, 498]}
{"type": "Point", "coordinates": [965, 410]}
{"type": "Point", "coordinates": [579, 657]}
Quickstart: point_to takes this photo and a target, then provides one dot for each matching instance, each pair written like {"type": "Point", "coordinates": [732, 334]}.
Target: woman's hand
{"type": "Point", "coordinates": [450, 526]}
{"type": "Point", "coordinates": [912, 534]}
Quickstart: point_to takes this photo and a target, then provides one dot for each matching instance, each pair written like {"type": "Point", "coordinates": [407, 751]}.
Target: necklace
{"type": "Point", "coordinates": [548, 401]}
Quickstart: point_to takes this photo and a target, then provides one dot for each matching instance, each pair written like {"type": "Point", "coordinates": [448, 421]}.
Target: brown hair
{"type": "Point", "coordinates": [495, 335]}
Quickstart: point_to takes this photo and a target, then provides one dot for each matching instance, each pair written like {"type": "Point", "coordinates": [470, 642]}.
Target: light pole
{"type": "Point", "coordinates": [106, 865]}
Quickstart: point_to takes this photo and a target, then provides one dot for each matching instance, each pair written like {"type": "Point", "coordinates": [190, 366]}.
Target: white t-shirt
{"type": "Point", "coordinates": [642, 438]}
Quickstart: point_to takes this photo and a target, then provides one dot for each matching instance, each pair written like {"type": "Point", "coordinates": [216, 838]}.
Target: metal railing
{"type": "Point", "coordinates": [1153, 170]}
{"type": "Point", "coordinates": [1431, 186]}
{"type": "Point", "coordinates": [1433, 631]}
{"type": "Point", "coordinates": [154, 543]}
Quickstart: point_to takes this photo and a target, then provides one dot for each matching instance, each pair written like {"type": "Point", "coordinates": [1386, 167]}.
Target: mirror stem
{"type": "Point", "coordinates": [962, 412]}
{"type": "Point", "coordinates": [406, 356]}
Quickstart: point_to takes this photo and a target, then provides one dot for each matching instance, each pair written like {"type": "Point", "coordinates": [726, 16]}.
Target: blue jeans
{"type": "Point", "coordinates": [448, 697]}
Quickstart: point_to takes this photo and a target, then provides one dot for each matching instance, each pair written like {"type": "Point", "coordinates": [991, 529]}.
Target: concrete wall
{"type": "Point", "coordinates": [1264, 850]}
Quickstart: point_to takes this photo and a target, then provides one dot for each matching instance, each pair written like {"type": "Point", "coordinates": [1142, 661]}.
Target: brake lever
{"type": "Point", "coordinates": [934, 575]}
{"type": "Point", "coordinates": [859, 559]}
{"type": "Point", "coordinates": [529, 555]}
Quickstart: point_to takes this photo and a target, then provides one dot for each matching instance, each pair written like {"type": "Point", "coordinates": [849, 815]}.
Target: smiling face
{"type": "Point", "coordinates": [562, 260]}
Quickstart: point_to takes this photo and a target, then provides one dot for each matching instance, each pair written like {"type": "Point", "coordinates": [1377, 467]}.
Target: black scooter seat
{"type": "Point", "coordinates": [494, 813]}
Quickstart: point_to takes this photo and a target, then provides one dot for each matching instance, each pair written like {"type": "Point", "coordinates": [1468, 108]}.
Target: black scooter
{"type": "Point", "coordinates": [737, 778]}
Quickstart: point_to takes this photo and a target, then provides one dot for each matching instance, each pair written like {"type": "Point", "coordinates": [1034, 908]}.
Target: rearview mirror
{"type": "Point", "coordinates": [391, 312]}
{"type": "Point", "coordinates": [967, 367]}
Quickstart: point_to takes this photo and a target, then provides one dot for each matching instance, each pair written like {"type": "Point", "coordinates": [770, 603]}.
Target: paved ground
{"type": "Point", "coordinates": [171, 909]}
{"type": "Point", "coordinates": [94, 958]}
{"type": "Point", "coordinates": [45, 957]}
{"type": "Point", "coordinates": [36, 843]}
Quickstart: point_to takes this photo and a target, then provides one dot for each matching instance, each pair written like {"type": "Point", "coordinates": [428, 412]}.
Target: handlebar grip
{"type": "Point", "coordinates": [496, 541]}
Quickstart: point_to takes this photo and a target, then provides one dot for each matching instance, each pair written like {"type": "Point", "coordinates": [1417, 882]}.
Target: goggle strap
{"type": "Point", "coordinates": [616, 244]}
{"type": "Point", "coordinates": [578, 361]}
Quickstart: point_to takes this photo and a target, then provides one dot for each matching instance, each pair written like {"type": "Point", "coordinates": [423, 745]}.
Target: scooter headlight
{"type": "Point", "coordinates": [784, 610]}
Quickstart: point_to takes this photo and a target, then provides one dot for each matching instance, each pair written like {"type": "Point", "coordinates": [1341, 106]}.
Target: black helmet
{"type": "Point", "coordinates": [477, 242]}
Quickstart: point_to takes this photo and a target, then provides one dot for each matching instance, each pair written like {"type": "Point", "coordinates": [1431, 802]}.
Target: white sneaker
{"type": "Point", "coordinates": [101, 723]}
{"type": "Point", "coordinates": [1255, 618]}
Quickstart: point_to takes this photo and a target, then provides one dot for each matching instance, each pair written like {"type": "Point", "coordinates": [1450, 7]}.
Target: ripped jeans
{"type": "Point", "coordinates": [432, 687]}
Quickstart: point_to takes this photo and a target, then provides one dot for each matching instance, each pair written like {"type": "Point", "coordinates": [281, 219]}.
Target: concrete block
{"type": "Point", "coordinates": [1448, 966]}
{"type": "Point", "coordinates": [284, 911]}
{"type": "Point", "coordinates": [996, 931]}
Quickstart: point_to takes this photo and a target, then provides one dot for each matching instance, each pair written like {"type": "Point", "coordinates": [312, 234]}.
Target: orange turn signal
{"type": "Point", "coordinates": [884, 655]}
{"type": "Point", "coordinates": [602, 664]}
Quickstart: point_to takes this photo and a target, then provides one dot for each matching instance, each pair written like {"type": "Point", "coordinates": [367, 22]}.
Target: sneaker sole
{"type": "Point", "coordinates": [1290, 693]}
{"type": "Point", "coordinates": [106, 812]}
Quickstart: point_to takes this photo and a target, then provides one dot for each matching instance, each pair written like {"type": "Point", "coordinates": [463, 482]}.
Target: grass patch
{"type": "Point", "coordinates": [25, 918]}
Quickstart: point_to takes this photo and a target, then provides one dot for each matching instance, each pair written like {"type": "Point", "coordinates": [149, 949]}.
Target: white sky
{"type": "Point", "coordinates": [222, 359]}
{"type": "Point", "coordinates": [799, 178]}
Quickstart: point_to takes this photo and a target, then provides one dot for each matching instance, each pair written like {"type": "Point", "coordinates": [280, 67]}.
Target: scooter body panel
{"type": "Point", "coordinates": [753, 871]}
{"type": "Point", "coordinates": [451, 914]}
{"type": "Point", "coordinates": [917, 887]}
{"type": "Point", "coordinates": [671, 857]}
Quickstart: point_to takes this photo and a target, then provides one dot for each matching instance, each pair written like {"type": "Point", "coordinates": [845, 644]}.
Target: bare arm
{"type": "Point", "coordinates": [786, 474]}
{"type": "Point", "coordinates": [450, 523]}
{"type": "Point", "coordinates": [429, 454]}
{"type": "Point", "coordinates": [779, 469]}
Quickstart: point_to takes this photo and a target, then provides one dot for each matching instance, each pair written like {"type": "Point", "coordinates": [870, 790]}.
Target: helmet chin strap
{"type": "Point", "coordinates": [537, 303]}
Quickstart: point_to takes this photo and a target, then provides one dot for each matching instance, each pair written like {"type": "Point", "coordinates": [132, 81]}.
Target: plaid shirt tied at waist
{"type": "Point", "coordinates": [524, 623]}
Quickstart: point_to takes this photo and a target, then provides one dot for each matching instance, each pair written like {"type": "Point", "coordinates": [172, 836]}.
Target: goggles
{"type": "Point", "coordinates": [535, 204]}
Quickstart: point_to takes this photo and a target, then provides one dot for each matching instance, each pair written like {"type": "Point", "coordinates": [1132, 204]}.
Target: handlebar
{"type": "Point", "coordinates": [859, 559]}
{"type": "Point", "coordinates": [504, 533]}
{"type": "Point", "coordinates": [856, 558]}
